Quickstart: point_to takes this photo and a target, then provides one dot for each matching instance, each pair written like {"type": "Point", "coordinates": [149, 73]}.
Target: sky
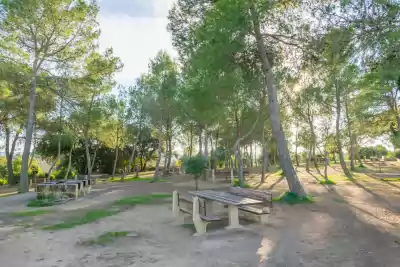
{"type": "Point", "coordinates": [136, 30]}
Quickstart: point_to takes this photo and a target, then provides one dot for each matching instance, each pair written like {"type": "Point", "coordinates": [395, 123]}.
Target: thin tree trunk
{"type": "Point", "coordinates": [263, 168]}
{"type": "Point", "coordinates": [69, 162]}
{"type": "Point", "coordinates": [24, 183]}
{"type": "Point", "coordinates": [326, 166]}
{"type": "Point", "coordinates": [351, 136]}
{"type": "Point", "coordinates": [308, 158]}
{"type": "Point", "coordinates": [296, 154]}
{"type": "Point", "coordinates": [9, 157]}
{"type": "Point", "coordinates": [294, 183]}
{"type": "Point", "coordinates": [115, 161]}
{"type": "Point", "coordinates": [237, 152]}
{"type": "Point", "coordinates": [169, 152]}
{"type": "Point", "coordinates": [338, 137]}
{"type": "Point", "coordinates": [86, 136]}
{"type": "Point", "coordinates": [191, 141]}
{"type": "Point", "coordinates": [33, 150]}
{"type": "Point", "coordinates": [93, 160]}
{"type": "Point", "coordinates": [156, 171]}
{"type": "Point", "coordinates": [205, 174]}
{"type": "Point", "coordinates": [200, 142]}
{"type": "Point", "coordinates": [251, 155]}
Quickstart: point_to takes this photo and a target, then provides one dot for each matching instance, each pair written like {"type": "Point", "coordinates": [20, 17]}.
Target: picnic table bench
{"type": "Point", "coordinates": [71, 188]}
{"type": "Point", "coordinates": [235, 200]}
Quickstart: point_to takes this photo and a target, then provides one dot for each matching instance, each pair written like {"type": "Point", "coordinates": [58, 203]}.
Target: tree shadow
{"type": "Point", "coordinates": [375, 195]}
{"type": "Point", "coordinates": [371, 175]}
{"type": "Point", "coordinates": [327, 187]}
{"type": "Point", "coordinates": [276, 182]}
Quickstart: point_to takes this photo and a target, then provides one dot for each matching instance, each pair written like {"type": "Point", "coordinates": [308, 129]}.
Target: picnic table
{"type": "Point", "coordinates": [226, 198]}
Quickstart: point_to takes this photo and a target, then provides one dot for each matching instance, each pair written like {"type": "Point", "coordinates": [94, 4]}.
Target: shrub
{"type": "Point", "coordinates": [195, 166]}
{"type": "Point", "coordinates": [236, 183]}
{"type": "Point", "coordinates": [292, 198]}
{"type": "Point", "coordinates": [3, 181]}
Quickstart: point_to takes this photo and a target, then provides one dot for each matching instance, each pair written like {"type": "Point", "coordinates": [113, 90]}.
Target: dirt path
{"type": "Point", "coordinates": [348, 226]}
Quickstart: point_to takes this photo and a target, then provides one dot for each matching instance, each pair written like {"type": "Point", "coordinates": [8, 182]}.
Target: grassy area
{"type": "Point", "coordinates": [145, 199]}
{"type": "Point", "coordinates": [30, 213]}
{"type": "Point", "coordinates": [292, 198]}
{"type": "Point", "coordinates": [393, 179]}
{"type": "Point", "coordinates": [236, 183]}
{"type": "Point", "coordinates": [89, 217]}
{"type": "Point", "coordinates": [45, 202]}
{"type": "Point", "coordinates": [327, 182]}
{"type": "Point", "coordinates": [104, 239]}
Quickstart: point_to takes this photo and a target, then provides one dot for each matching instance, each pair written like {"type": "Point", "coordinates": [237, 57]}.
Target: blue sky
{"type": "Point", "coordinates": [136, 29]}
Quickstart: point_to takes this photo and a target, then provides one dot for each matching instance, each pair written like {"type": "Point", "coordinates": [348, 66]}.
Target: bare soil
{"type": "Point", "coordinates": [352, 224]}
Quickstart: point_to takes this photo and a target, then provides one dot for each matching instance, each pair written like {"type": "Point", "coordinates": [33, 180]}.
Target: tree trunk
{"type": "Point", "coordinates": [88, 162]}
{"type": "Point", "coordinates": [351, 136]}
{"type": "Point", "coordinates": [338, 137]}
{"type": "Point", "coordinates": [308, 158]}
{"type": "Point", "coordinates": [200, 142]}
{"type": "Point", "coordinates": [263, 168]}
{"type": "Point", "coordinates": [205, 173]}
{"type": "Point", "coordinates": [115, 161]}
{"type": "Point", "coordinates": [191, 141]}
{"type": "Point", "coordinates": [326, 166]}
{"type": "Point", "coordinates": [93, 160]}
{"type": "Point", "coordinates": [69, 162]}
{"type": "Point", "coordinates": [24, 183]}
{"type": "Point", "coordinates": [156, 171]}
{"type": "Point", "coordinates": [296, 154]}
{"type": "Point", "coordinates": [169, 152]}
{"type": "Point", "coordinates": [294, 183]}
{"type": "Point", "coordinates": [237, 152]}
{"type": "Point", "coordinates": [10, 154]}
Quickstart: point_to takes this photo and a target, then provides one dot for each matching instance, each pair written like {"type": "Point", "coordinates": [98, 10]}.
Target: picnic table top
{"type": "Point", "coordinates": [225, 198]}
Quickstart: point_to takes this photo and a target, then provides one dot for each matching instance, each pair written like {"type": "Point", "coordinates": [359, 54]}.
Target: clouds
{"type": "Point", "coordinates": [136, 8]}
{"type": "Point", "coordinates": [136, 31]}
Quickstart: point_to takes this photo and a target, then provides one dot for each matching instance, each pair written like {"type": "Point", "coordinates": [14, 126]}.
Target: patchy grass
{"type": "Point", "coordinates": [292, 198]}
{"type": "Point", "coordinates": [393, 179]}
{"type": "Point", "coordinates": [89, 217]}
{"type": "Point", "coordinates": [327, 182]}
{"type": "Point", "coordinates": [30, 213]}
{"type": "Point", "coordinates": [44, 202]}
{"type": "Point", "coordinates": [135, 179]}
{"type": "Point", "coordinates": [236, 183]}
{"type": "Point", "coordinates": [144, 199]}
{"type": "Point", "coordinates": [104, 239]}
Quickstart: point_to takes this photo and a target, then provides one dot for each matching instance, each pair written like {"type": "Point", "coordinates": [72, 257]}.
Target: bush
{"type": "Point", "coordinates": [3, 181]}
{"type": "Point", "coordinates": [196, 166]}
{"type": "Point", "coordinates": [60, 174]}
{"type": "Point", "coordinates": [236, 183]}
{"type": "Point", "coordinates": [292, 198]}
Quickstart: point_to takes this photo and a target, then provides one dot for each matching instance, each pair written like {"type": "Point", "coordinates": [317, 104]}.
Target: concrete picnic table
{"type": "Point", "coordinates": [233, 202]}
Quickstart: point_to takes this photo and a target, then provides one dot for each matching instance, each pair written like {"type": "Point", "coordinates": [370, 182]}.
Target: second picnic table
{"type": "Point", "coordinates": [233, 202]}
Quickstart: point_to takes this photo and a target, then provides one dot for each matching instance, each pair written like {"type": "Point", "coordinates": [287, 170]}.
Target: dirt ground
{"type": "Point", "coordinates": [352, 224]}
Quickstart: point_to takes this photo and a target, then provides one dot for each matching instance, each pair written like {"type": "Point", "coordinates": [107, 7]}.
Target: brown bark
{"type": "Point", "coordinates": [338, 137]}
{"type": "Point", "coordinates": [294, 183]}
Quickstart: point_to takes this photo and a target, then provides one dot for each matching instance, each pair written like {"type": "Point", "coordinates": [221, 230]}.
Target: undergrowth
{"type": "Point", "coordinates": [292, 198]}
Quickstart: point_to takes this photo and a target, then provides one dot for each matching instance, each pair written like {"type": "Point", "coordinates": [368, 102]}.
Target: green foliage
{"type": "Point", "coordinates": [330, 182]}
{"type": "Point", "coordinates": [292, 199]}
{"type": "Point", "coordinates": [47, 201]}
{"type": "Point", "coordinates": [3, 181]}
{"type": "Point", "coordinates": [391, 179]}
{"type": "Point", "coordinates": [104, 239]}
{"type": "Point", "coordinates": [196, 165]}
{"type": "Point", "coordinates": [89, 217]}
{"type": "Point", "coordinates": [30, 213]}
{"type": "Point", "coordinates": [236, 183]}
{"type": "Point", "coordinates": [145, 199]}
{"type": "Point", "coordinates": [373, 151]}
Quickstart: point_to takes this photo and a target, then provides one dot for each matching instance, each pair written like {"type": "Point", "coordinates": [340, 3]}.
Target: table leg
{"type": "Point", "coordinates": [233, 217]}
